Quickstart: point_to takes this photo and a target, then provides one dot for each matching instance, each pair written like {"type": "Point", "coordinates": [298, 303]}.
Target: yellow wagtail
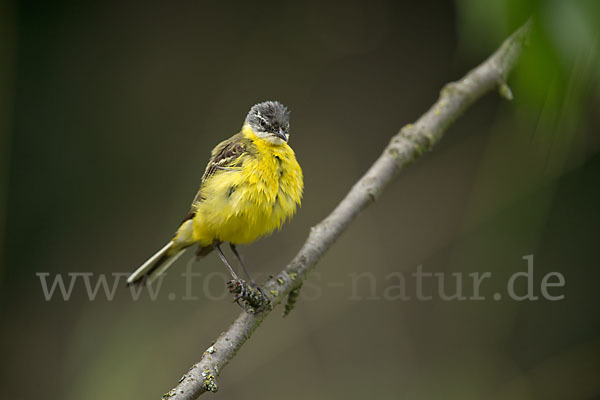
{"type": "Point", "coordinates": [251, 185]}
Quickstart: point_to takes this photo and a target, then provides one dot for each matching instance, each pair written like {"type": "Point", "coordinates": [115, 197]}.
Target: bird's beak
{"type": "Point", "coordinates": [281, 134]}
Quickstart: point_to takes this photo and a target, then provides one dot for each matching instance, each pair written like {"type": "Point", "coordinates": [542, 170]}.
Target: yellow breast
{"type": "Point", "coordinates": [252, 200]}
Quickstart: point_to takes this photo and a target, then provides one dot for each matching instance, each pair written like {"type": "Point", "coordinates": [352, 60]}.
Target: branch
{"type": "Point", "coordinates": [404, 148]}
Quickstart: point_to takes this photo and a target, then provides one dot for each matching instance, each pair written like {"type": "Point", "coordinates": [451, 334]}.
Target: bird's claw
{"type": "Point", "coordinates": [254, 299]}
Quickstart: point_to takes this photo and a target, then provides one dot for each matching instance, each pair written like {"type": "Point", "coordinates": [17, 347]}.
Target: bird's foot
{"type": "Point", "coordinates": [253, 298]}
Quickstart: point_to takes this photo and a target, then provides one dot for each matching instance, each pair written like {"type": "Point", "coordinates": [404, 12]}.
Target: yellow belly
{"type": "Point", "coordinates": [245, 203]}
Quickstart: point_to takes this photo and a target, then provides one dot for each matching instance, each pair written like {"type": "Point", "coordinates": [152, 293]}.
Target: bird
{"type": "Point", "coordinates": [250, 187]}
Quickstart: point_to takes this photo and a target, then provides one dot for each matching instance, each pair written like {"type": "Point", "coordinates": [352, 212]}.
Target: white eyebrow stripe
{"type": "Point", "coordinates": [260, 116]}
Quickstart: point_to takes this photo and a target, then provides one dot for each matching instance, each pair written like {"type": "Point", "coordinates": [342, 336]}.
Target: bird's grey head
{"type": "Point", "coordinates": [270, 120]}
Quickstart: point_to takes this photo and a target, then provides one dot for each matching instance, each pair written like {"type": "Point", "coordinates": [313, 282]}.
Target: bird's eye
{"type": "Point", "coordinates": [263, 123]}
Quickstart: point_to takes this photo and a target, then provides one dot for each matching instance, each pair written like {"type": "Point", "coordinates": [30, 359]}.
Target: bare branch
{"type": "Point", "coordinates": [404, 148]}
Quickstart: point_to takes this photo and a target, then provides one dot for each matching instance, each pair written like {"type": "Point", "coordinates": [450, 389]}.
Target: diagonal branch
{"type": "Point", "coordinates": [404, 148]}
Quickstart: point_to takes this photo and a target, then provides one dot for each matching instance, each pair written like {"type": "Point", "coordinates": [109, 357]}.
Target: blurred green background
{"type": "Point", "coordinates": [109, 111]}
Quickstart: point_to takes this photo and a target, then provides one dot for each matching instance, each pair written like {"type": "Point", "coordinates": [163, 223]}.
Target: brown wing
{"type": "Point", "coordinates": [224, 156]}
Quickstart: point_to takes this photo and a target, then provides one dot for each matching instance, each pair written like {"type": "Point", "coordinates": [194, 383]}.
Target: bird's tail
{"type": "Point", "coordinates": [156, 265]}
